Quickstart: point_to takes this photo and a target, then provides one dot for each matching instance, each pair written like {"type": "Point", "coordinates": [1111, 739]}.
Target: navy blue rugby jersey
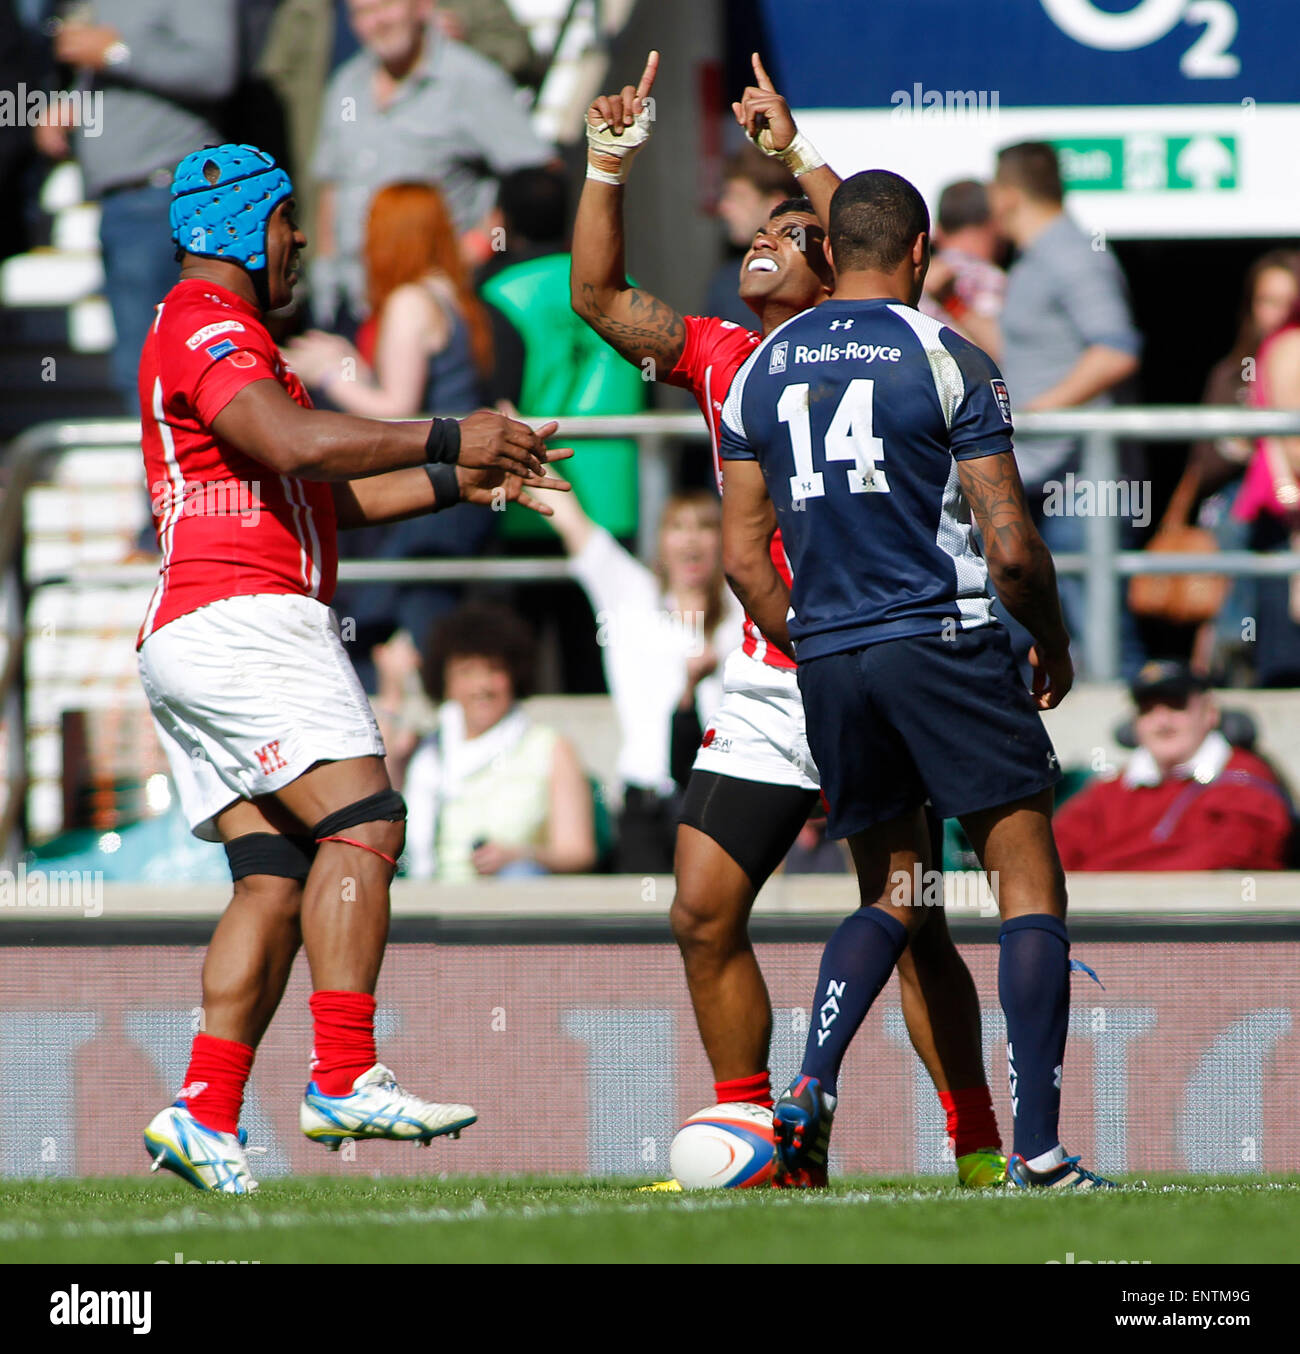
{"type": "Point", "coordinates": [858, 412]}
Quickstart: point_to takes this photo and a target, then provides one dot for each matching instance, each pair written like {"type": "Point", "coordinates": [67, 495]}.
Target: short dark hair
{"type": "Point", "coordinates": [1033, 167]}
{"type": "Point", "coordinates": [961, 204]}
{"type": "Point", "coordinates": [875, 219]}
{"type": "Point", "coordinates": [535, 205]}
{"type": "Point", "coordinates": [482, 630]}
{"type": "Point", "coordinates": [792, 204]}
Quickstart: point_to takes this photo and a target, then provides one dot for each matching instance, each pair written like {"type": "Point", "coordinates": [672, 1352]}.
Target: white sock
{"type": "Point", "coordinates": [1049, 1161]}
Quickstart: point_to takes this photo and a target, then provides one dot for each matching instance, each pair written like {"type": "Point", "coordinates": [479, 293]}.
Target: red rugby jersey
{"type": "Point", "coordinates": [227, 524]}
{"type": "Point", "coordinates": [715, 351]}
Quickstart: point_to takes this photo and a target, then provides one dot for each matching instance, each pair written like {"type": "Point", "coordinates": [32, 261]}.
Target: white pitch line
{"type": "Point", "coordinates": [190, 1219]}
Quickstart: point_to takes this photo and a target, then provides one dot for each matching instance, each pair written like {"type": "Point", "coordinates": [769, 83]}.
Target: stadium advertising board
{"type": "Point", "coordinates": [1173, 118]}
{"type": "Point", "coordinates": [1187, 1061]}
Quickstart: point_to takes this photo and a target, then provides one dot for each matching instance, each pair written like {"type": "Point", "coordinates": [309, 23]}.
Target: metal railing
{"type": "Point", "coordinates": [1102, 563]}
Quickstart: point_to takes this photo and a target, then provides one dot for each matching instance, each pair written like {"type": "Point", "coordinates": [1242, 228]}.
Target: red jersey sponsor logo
{"type": "Point", "coordinates": [201, 336]}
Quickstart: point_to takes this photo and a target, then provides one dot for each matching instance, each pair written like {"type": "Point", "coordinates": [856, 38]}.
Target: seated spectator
{"type": "Point", "coordinates": [753, 183]}
{"type": "Point", "coordinates": [490, 792]}
{"type": "Point", "coordinates": [426, 346]}
{"type": "Point", "coordinates": [425, 349]}
{"type": "Point", "coordinates": [964, 287]}
{"type": "Point", "coordinates": [411, 106]}
{"type": "Point", "coordinates": [1187, 800]}
{"type": "Point", "coordinates": [663, 633]}
{"type": "Point", "coordinates": [1215, 468]}
{"type": "Point", "coordinates": [1269, 500]}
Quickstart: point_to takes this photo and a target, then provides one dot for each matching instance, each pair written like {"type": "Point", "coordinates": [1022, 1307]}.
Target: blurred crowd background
{"type": "Point", "coordinates": [437, 156]}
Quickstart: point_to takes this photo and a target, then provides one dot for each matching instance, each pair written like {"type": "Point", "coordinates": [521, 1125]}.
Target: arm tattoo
{"type": "Point", "coordinates": [992, 487]}
{"type": "Point", "coordinates": [1020, 564]}
{"type": "Point", "coordinates": [644, 326]}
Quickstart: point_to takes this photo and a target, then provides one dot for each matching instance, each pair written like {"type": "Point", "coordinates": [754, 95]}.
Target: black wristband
{"type": "Point", "coordinates": [443, 443]}
{"type": "Point", "coordinates": [446, 485]}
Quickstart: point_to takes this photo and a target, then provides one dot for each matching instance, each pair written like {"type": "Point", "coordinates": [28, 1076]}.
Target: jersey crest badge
{"type": "Point", "coordinates": [1003, 399]}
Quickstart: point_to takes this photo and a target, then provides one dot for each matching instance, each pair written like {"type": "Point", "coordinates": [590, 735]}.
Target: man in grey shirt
{"type": "Point", "coordinates": [161, 68]}
{"type": "Point", "coordinates": [1067, 332]}
{"type": "Point", "coordinates": [411, 106]}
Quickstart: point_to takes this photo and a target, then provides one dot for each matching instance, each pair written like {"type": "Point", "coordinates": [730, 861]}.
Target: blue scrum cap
{"type": "Point", "coordinates": [222, 200]}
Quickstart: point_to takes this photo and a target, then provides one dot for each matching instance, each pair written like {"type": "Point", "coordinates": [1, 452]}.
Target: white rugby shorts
{"type": "Point", "coordinates": [758, 731]}
{"type": "Point", "coordinates": [247, 693]}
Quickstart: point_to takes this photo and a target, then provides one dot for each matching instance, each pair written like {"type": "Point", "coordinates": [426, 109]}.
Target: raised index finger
{"type": "Point", "coordinates": [764, 80]}
{"type": "Point", "coordinates": [646, 83]}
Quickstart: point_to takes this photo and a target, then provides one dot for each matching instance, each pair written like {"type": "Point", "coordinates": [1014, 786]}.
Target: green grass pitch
{"type": "Point", "coordinates": [567, 1220]}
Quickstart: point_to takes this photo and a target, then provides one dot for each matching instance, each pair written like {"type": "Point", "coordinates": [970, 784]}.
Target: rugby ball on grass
{"type": "Point", "coordinates": [725, 1147]}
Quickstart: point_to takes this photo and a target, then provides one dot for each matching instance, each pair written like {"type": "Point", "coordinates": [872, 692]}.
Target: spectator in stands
{"type": "Point", "coordinates": [964, 287]}
{"type": "Point", "coordinates": [308, 41]}
{"type": "Point", "coordinates": [752, 184]}
{"type": "Point", "coordinates": [426, 344]}
{"type": "Point", "coordinates": [413, 105]}
{"type": "Point", "coordinates": [426, 348]}
{"type": "Point", "coordinates": [1215, 468]}
{"type": "Point", "coordinates": [162, 71]}
{"type": "Point", "coordinates": [1068, 340]}
{"type": "Point", "coordinates": [401, 705]}
{"type": "Point", "coordinates": [1269, 500]}
{"type": "Point", "coordinates": [490, 792]}
{"type": "Point", "coordinates": [489, 27]}
{"type": "Point", "coordinates": [1187, 800]}
{"type": "Point", "coordinates": [254, 112]}
{"type": "Point", "coordinates": [529, 223]}
{"type": "Point", "coordinates": [549, 360]}
{"type": "Point", "coordinates": [1270, 294]}
{"type": "Point", "coordinates": [663, 634]}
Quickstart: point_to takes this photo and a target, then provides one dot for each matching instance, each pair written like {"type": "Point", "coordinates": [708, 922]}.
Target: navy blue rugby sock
{"type": "Point", "coordinates": [1034, 989]}
{"type": "Point", "coordinates": [856, 964]}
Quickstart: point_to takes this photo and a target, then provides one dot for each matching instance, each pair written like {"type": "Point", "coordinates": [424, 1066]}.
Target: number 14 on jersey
{"type": "Point", "coordinates": [849, 438]}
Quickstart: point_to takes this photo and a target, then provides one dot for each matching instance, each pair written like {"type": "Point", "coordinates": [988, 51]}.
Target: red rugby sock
{"type": "Point", "coordinates": [971, 1121]}
{"type": "Point", "coordinates": [214, 1082]}
{"type": "Point", "coordinates": [757, 1090]}
{"type": "Point", "coordinates": [343, 1025]}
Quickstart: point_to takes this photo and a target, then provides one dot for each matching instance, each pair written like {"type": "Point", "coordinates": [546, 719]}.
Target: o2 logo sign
{"type": "Point", "coordinates": [1208, 58]}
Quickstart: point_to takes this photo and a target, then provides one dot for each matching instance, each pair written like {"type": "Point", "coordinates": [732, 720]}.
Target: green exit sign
{"type": "Point", "coordinates": [1146, 162]}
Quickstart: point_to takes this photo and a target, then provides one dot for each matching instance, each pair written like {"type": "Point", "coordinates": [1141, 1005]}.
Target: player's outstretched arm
{"type": "Point", "coordinates": [748, 523]}
{"type": "Point", "coordinates": [636, 324]}
{"type": "Point", "coordinates": [263, 422]}
{"type": "Point", "coordinates": [770, 125]}
{"type": "Point", "coordinates": [400, 494]}
{"type": "Point", "coordinates": [1020, 567]}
